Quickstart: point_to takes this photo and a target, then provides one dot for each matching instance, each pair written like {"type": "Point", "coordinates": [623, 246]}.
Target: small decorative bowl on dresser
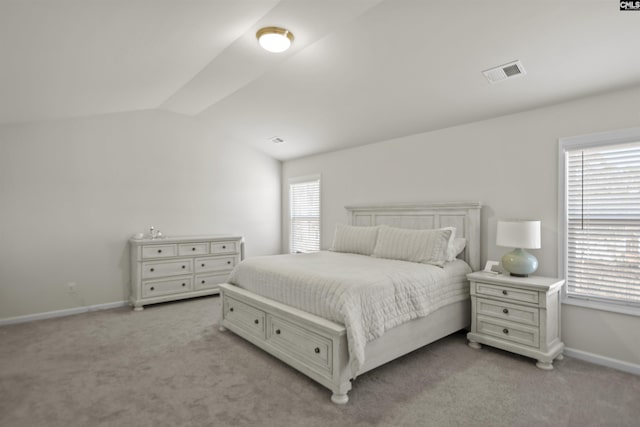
{"type": "Point", "coordinates": [173, 268]}
{"type": "Point", "coordinates": [517, 314]}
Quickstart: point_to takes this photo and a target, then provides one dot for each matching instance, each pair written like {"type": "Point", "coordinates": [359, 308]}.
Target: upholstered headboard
{"type": "Point", "coordinates": [465, 216]}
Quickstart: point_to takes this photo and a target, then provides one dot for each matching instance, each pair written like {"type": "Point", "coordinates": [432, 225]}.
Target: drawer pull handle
{"type": "Point", "coordinates": [152, 288]}
{"type": "Point", "coordinates": [224, 247]}
{"type": "Point", "coordinates": [152, 270]}
{"type": "Point", "coordinates": [202, 282]}
{"type": "Point", "coordinates": [505, 310]}
{"type": "Point", "coordinates": [277, 331]}
{"type": "Point", "coordinates": [184, 266]}
{"type": "Point", "coordinates": [317, 350]}
{"type": "Point", "coordinates": [231, 309]}
{"type": "Point", "coordinates": [159, 251]}
{"type": "Point", "coordinates": [256, 321]}
{"type": "Point", "coordinates": [504, 292]}
{"type": "Point", "coordinates": [184, 284]}
{"type": "Point", "coordinates": [202, 265]}
{"type": "Point", "coordinates": [193, 249]}
{"type": "Point", "coordinates": [505, 330]}
{"type": "Point", "coordinates": [228, 262]}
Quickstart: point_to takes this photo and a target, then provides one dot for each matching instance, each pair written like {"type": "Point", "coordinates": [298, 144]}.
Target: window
{"type": "Point", "coordinates": [304, 208]}
{"type": "Point", "coordinates": [601, 217]}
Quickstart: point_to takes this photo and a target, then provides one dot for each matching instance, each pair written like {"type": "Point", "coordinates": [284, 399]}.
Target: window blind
{"type": "Point", "coordinates": [304, 196]}
{"type": "Point", "coordinates": [603, 223]}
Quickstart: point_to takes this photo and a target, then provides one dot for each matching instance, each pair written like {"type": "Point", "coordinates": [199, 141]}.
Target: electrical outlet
{"type": "Point", "coordinates": [71, 287]}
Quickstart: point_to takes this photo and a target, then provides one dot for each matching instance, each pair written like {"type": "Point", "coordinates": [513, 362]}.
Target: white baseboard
{"type": "Point", "coordinates": [60, 313]}
{"type": "Point", "coordinates": [620, 365]}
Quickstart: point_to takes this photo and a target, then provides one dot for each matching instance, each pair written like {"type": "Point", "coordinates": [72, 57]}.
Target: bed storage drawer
{"type": "Point", "coordinates": [309, 348]}
{"type": "Point", "coordinates": [245, 317]}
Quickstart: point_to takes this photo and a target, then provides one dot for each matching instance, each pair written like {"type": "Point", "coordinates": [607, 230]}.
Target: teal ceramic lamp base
{"type": "Point", "coordinates": [519, 263]}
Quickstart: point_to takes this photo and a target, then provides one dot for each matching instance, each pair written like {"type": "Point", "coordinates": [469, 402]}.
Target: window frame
{"type": "Point", "coordinates": [602, 139]}
{"type": "Point", "coordinates": [297, 180]}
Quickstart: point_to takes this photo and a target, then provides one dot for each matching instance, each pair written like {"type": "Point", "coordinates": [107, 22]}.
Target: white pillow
{"type": "Point", "coordinates": [456, 248]}
{"type": "Point", "coordinates": [425, 246]}
{"type": "Point", "coordinates": [354, 239]}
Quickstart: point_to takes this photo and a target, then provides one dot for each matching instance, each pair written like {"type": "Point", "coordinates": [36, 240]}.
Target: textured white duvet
{"type": "Point", "coordinates": [368, 295]}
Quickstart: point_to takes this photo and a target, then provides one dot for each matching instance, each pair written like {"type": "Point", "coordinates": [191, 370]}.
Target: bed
{"type": "Point", "coordinates": [328, 345]}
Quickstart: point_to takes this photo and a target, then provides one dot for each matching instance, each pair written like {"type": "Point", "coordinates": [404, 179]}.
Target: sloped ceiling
{"type": "Point", "coordinates": [359, 71]}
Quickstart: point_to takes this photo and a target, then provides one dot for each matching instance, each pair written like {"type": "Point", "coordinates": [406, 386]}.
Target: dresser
{"type": "Point", "coordinates": [173, 268]}
{"type": "Point", "coordinates": [517, 314]}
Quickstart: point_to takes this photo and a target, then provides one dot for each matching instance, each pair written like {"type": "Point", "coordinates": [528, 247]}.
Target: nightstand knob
{"type": "Point", "coordinates": [224, 247]}
{"type": "Point", "coordinates": [152, 288]}
{"type": "Point", "coordinates": [152, 270]}
{"type": "Point", "coordinates": [202, 282]}
{"type": "Point", "coordinates": [202, 265]}
{"type": "Point", "coordinates": [193, 249]}
{"type": "Point", "coordinates": [317, 350]}
{"type": "Point", "coordinates": [159, 251]}
{"type": "Point", "coordinates": [228, 262]}
{"type": "Point", "coordinates": [184, 266]}
{"type": "Point", "coordinates": [505, 330]}
{"type": "Point", "coordinates": [256, 321]}
{"type": "Point", "coordinates": [505, 310]}
{"type": "Point", "coordinates": [184, 284]}
{"type": "Point", "coordinates": [504, 292]}
{"type": "Point", "coordinates": [231, 309]}
{"type": "Point", "coordinates": [277, 331]}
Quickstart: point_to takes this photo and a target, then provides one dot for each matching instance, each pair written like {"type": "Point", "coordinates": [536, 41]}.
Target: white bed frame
{"type": "Point", "coordinates": [318, 347]}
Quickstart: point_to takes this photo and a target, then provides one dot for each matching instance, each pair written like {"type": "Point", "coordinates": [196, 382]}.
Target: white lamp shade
{"type": "Point", "coordinates": [518, 234]}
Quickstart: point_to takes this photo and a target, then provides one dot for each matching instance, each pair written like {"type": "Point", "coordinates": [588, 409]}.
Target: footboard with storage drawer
{"type": "Point", "coordinates": [175, 268]}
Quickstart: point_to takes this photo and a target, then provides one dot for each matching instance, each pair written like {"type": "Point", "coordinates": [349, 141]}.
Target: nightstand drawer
{"type": "Point", "coordinates": [508, 331]}
{"type": "Point", "coordinates": [508, 311]}
{"type": "Point", "coordinates": [506, 292]}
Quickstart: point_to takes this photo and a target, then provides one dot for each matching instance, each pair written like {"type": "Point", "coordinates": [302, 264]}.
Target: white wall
{"type": "Point", "coordinates": [510, 164]}
{"type": "Point", "coordinates": [73, 191]}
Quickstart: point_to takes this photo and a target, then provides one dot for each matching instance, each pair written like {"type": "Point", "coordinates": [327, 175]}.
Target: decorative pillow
{"type": "Point", "coordinates": [425, 246]}
{"type": "Point", "coordinates": [451, 239]}
{"type": "Point", "coordinates": [456, 248]}
{"type": "Point", "coordinates": [354, 239]}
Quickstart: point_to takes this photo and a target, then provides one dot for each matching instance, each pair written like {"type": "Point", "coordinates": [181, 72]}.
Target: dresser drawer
{"type": "Point", "coordinates": [508, 311]}
{"type": "Point", "coordinates": [506, 292]}
{"type": "Point", "coordinates": [224, 247]}
{"type": "Point", "coordinates": [309, 348]}
{"type": "Point", "coordinates": [159, 251]}
{"type": "Point", "coordinates": [157, 288]}
{"type": "Point", "coordinates": [215, 263]}
{"type": "Point", "coordinates": [166, 268]}
{"type": "Point", "coordinates": [185, 249]}
{"type": "Point", "coordinates": [245, 317]}
{"type": "Point", "coordinates": [508, 331]}
{"type": "Point", "coordinates": [208, 281]}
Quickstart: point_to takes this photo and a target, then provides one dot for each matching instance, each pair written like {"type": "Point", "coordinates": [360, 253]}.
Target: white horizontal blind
{"type": "Point", "coordinates": [603, 223]}
{"type": "Point", "coordinates": [304, 196]}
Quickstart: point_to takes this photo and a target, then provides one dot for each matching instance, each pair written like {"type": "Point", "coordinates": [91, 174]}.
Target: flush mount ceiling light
{"type": "Point", "coordinates": [274, 39]}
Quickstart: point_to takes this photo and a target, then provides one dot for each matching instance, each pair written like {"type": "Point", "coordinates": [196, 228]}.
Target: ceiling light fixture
{"type": "Point", "coordinates": [274, 39]}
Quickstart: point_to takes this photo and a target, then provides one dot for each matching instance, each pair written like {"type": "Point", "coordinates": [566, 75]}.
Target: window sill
{"type": "Point", "coordinates": [602, 306]}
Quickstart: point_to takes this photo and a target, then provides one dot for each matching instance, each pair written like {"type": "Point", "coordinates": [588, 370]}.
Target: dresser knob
{"type": "Point", "coordinates": [152, 270]}
{"type": "Point", "coordinates": [193, 249]}
{"type": "Point", "coordinates": [184, 284]}
{"type": "Point", "coordinates": [505, 330]}
{"type": "Point", "coordinates": [317, 350]}
{"type": "Point", "coordinates": [228, 262]}
{"type": "Point", "coordinates": [256, 321]}
{"type": "Point", "coordinates": [224, 247]}
{"type": "Point", "coordinates": [184, 266]}
{"type": "Point", "coordinates": [159, 251]}
{"type": "Point", "coordinates": [277, 331]}
{"type": "Point", "coordinates": [505, 310]}
{"type": "Point", "coordinates": [202, 265]}
{"type": "Point", "coordinates": [231, 309]}
{"type": "Point", "coordinates": [202, 282]}
{"type": "Point", "coordinates": [504, 292]}
{"type": "Point", "coordinates": [152, 288]}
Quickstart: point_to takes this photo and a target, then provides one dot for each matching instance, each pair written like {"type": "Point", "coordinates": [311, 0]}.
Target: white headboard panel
{"type": "Point", "coordinates": [465, 216]}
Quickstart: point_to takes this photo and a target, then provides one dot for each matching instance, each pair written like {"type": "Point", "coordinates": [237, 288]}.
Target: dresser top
{"type": "Point", "coordinates": [506, 279]}
{"type": "Point", "coordinates": [181, 239]}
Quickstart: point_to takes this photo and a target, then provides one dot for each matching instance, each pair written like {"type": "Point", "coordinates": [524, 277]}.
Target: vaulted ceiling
{"type": "Point", "coordinates": [359, 71]}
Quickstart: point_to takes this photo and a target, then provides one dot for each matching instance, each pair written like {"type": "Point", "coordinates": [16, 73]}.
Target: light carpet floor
{"type": "Point", "coordinates": [170, 366]}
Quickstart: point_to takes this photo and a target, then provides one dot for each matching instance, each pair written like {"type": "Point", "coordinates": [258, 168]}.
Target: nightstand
{"type": "Point", "coordinates": [517, 314]}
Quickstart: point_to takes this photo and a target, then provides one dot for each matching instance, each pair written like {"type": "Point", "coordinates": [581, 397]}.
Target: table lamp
{"type": "Point", "coordinates": [521, 235]}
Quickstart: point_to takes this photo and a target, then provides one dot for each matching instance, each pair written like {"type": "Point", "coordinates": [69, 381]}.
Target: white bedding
{"type": "Point", "coordinates": [368, 295]}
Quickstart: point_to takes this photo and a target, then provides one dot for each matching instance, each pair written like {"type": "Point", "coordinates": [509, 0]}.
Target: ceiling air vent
{"type": "Point", "coordinates": [503, 72]}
